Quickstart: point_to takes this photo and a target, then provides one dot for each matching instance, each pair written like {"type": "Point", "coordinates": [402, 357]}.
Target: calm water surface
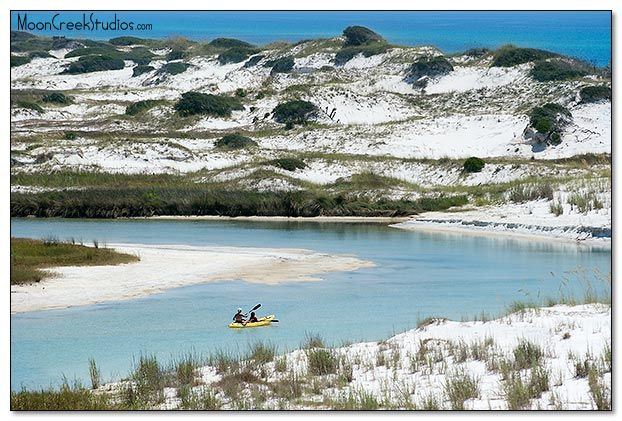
{"type": "Point", "coordinates": [416, 275]}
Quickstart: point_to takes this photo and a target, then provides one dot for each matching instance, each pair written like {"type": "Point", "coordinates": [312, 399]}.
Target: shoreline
{"type": "Point", "coordinates": [182, 265]}
{"type": "Point", "coordinates": [446, 228]}
{"type": "Point", "coordinates": [319, 219]}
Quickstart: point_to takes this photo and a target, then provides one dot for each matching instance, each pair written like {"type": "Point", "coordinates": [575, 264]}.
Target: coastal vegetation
{"type": "Point", "coordinates": [196, 103]}
{"type": "Point", "coordinates": [94, 63]}
{"type": "Point", "coordinates": [235, 141]}
{"type": "Point", "coordinates": [295, 112]}
{"type": "Point", "coordinates": [30, 258]}
{"type": "Point", "coordinates": [590, 94]}
{"type": "Point", "coordinates": [510, 55]}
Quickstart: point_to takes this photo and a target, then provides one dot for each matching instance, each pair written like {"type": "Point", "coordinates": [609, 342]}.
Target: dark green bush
{"type": "Point", "coordinates": [57, 98]}
{"type": "Point", "coordinates": [429, 66]}
{"type": "Point", "coordinates": [296, 112]}
{"type": "Point", "coordinates": [90, 51]}
{"type": "Point", "coordinates": [127, 41]}
{"type": "Point", "coordinates": [19, 60]}
{"type": "Point", "coordinates": [192, 103]}
{"type": "Point", "coordinates": [509, 55]}
{"type": "Point", "coordinates": [31, 44]}
{"type": "Point", "coordinates": [176, 55]}
{"type": "Point", "coordinates": [230, 43]}
{"type": "Point", "coordinates": [281, 65]}
{"type": "Point", "coordinates": [70, 136]}
{"type": "Point", "coordinates": [236, 55]}
{"type": "Point", "coordinates": [546, 118]}
{"type": "Point", "coordinates": [254, 60]}
{"type": "Point", "coordinates": [590, 94]}
{"type": "Point", "coordinates": [39, 54]}
{"type": "Point", "coordinates": [139, 55]}
{"type": "Point", "coordinates": [174, 68]}
{"type": "Point", "coordinates": [289, 164]}
{"type": "Point", "coordinates": [139, 70]}
{"type": "Point", "coordinates": [346, 54]}
{"type": "Point", "coordinates": [30, 106]}
{"type": "Point", "coordinates": [141, 106]}
{"type": "Point", "coordinates": [545, 71]}
{"type": "Point", "coordinates": [473, 164]}
{"type": "Point", "coordinates": [88, 64]}
{"type": "Point", "coordinates": [359, 35]}
{"type": "Point", "coordinates": [235, 141]}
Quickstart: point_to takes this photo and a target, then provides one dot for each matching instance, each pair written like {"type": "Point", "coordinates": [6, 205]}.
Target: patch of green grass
{"type": "Point", "coordinates": [174, 68]}
{"type": "Point", "coordinates": [459, 387]}
{"type": "Point", "coordinates": [95, 63]}
{"type": "Point", "coordinates": [67, 398]}
{"type": "Point", "coordinates": [29, 106]}
{"type": "Point", "coordinates": [262, 352]}
{"type": "Point", "coordinates": [288, 164]}
{"type": "Point", "coordinates": [142, 106]}
{"type": "Point", "coordinates": [527, 354]}
{"type": "Point", "coordinates": [473, 165]}
{"type": "Point", "coordinates": [590, 94]}
{"type": "Point", "coordinates": [29, 256]}
{"type": "Point", "coordinates": [321, 361]}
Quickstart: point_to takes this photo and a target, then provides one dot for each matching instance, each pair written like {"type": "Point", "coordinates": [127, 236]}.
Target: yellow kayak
{"type": "Point", "coordinates": [262, 321]}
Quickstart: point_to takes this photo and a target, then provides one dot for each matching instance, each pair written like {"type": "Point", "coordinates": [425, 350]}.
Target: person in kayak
{"type": "Point", "coordinates": [239, 317]}
{"type": "Point", "coordinates": [253, 318]}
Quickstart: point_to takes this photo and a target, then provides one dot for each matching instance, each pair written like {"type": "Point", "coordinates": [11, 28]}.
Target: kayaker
{"type": "Point", "coordinates": [253, 318]}
{"type": "Point", "coordinates": [239, 317]}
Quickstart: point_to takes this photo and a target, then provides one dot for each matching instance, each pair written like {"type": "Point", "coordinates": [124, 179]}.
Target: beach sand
{"type": "Point", "coordinates": [170, 266]}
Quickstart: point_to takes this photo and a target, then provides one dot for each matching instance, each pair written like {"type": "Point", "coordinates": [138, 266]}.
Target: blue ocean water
{"type": "Point", "coordinates": [584, 34]}
{"type": "Point", "coordinates": [416, 275]}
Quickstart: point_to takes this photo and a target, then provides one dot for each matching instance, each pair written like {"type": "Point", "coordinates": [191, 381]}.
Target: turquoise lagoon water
{"type": "Point", "coordinates": [584, 34]}
{"type": "Point", "coordinates": [416, 275]}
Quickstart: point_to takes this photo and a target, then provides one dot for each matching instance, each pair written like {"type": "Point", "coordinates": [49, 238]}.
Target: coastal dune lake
{"type": "Point", "coordinates": [416, 275]}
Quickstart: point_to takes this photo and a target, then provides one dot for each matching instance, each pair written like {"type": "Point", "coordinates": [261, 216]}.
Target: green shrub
{"type": "Point", "coordinates": [192, 103]}
{"type": "Point", "coordinates": [90, 51]}
{"type": "Point", "coordinates": [176, 55]}
{"type": "Point", "coordinates": [174, 68]}
{"type": "Point", "coordinates": [30, 106]}
{"type": "Point", "coordinates": [321, 362]}
{"type": "Point", "coordinates": [70, 136]}
{"type": "Point", "coordinates": [57, 98]}
{"type": "Point", "coordinates": [88, 64]}
{"type": "Point", "coordinates": [139, 55]}
{"type": "Point", "coordinates": [289, 164]}
{"type": "Point", "coordinates": [230, 43]}
{"type": "Point", "coordinates": [545, 71]}
{"type": "Point", "coordinates": [39, 54]}
{"type": "Point", "coordinates": [473, 164]}
{"type": "Point", "coordinates": [140, 69]}
{"type": "Point", "coordinates": [141, 106]}
{"type": "Point", "coordinates": [19, 60]}
{"type": "Point", "coordinates": [235, 141]}
{"type": "Point", "coordinates": [297, 112]}
{"type": "Point", "coordinates": [346, 54]}
{"type": "Point", "coordinates": [590, 94]}
{"type": "Point", "coordinates": [429, 66]}
{"type": "Point", "coordinates": [549, 120]}
{"type": "Point", "coordinates": [281, 65]}
{"type": "Point", "coordinates": [509, 55]}
{"type": "Point", "coordinates": [359, 35]}
{"type": "Point", "coordinates": [126, 40]}
{"type": "Point", "coordinates": [236, 55]}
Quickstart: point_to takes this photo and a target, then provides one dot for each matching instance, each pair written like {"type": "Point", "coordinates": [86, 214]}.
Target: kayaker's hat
{"type": "Point", "coordinates": [239, 309]}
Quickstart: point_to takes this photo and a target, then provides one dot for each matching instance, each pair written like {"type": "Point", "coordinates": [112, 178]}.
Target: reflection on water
{"type": "Point", "coordinates": [417, 274]}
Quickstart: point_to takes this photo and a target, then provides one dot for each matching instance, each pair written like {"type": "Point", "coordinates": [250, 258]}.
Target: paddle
{"type": "Point", "coordinates": [254, 308]}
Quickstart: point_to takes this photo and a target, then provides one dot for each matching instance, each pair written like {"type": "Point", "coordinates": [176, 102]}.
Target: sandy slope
{"type": "Point", "coordinates": [162, 267]}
